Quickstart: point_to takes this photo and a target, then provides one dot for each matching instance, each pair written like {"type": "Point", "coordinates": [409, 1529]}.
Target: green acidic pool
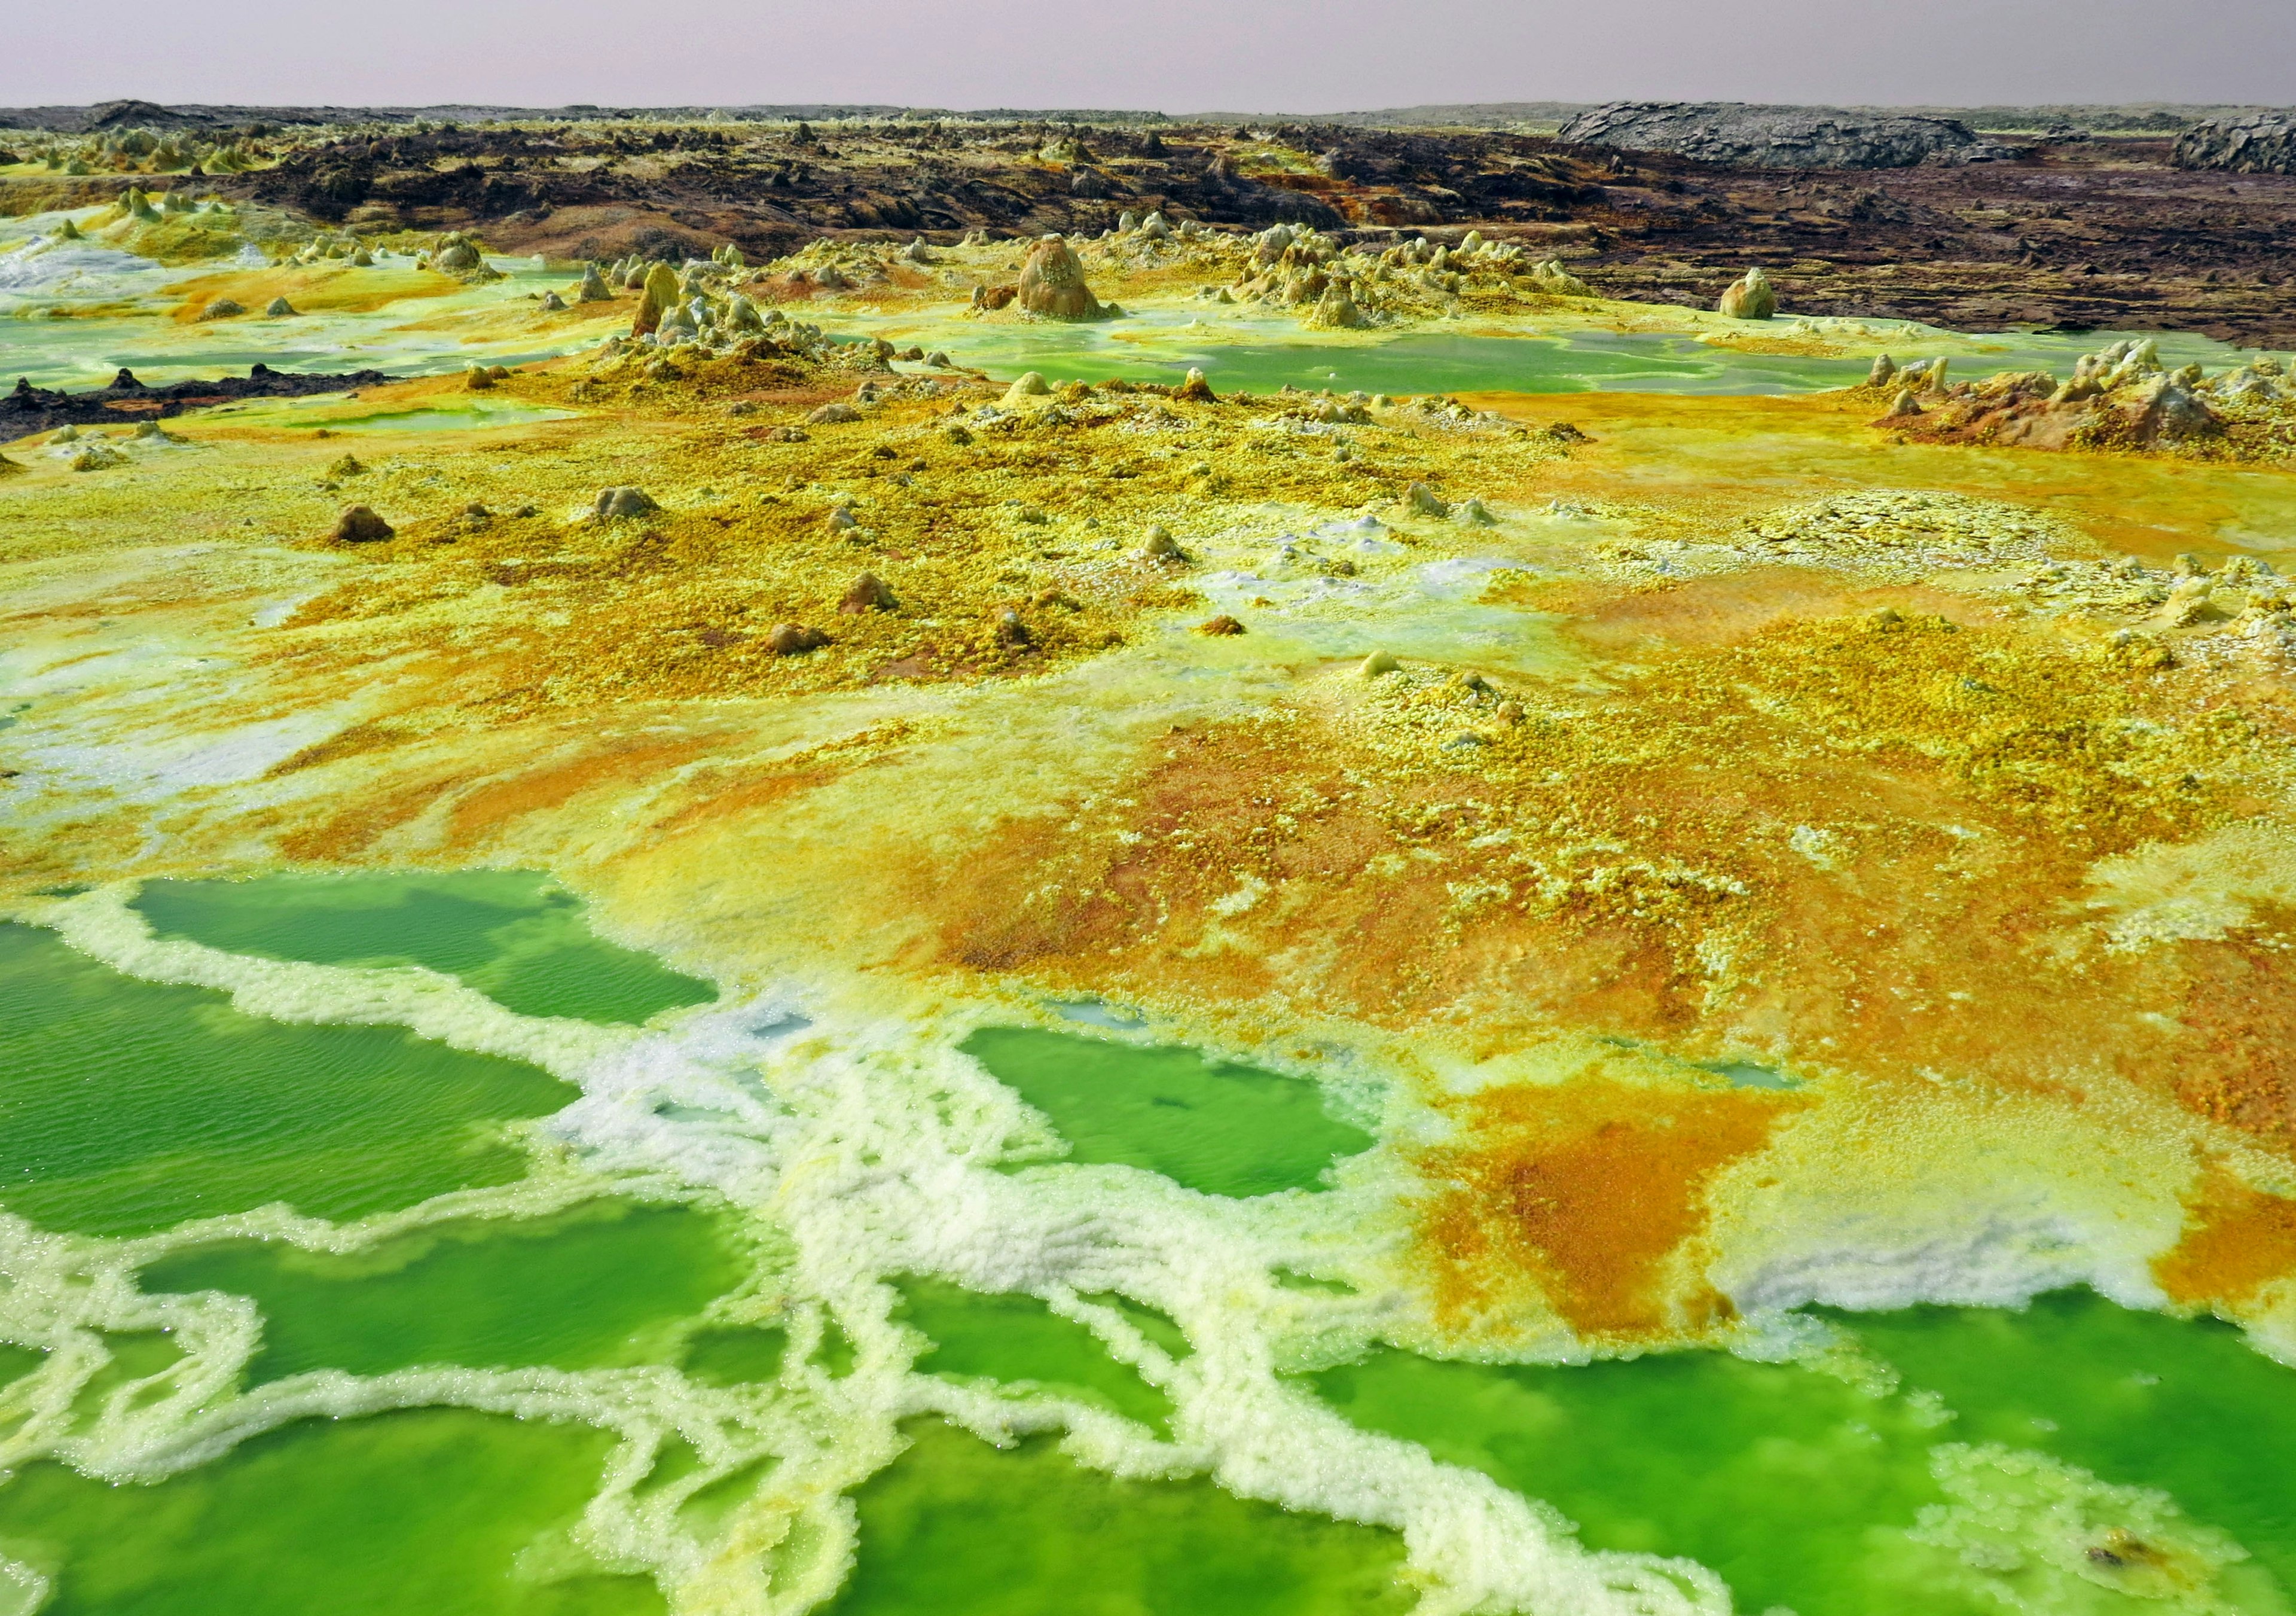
{"type": "Point", "coordinates": [957, 1527]}
{"type": "Point", "coordinates": [1436, 362]}
{"type": "Point", "coordinates": [2140, 1399]}
{"type": "Point", "coordinates": [1432, 363]}
{"type": "Point", "coordinates": [734, 1357]}
{"type": "Point", "coordinates": [471, 418]}
{"type": "Point", "coordinates": [127, 1107]}
{"type": "Point", "coordinates": [601, 1284]}
{"type": "Point", "coordinates": [431, 1512]}
{"type": "Point", "coordinates": [512, 935]}
{"type": "Point", "coordinates": [1809, 1491]}
{"type": "Point", "coordinates": [1018, 1341]}
{"type": "Point", "coordinates": [1213, 1126]}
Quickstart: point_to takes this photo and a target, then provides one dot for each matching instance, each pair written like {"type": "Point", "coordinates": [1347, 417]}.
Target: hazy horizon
{"type": "Point", "coordinates": [1178, 56]}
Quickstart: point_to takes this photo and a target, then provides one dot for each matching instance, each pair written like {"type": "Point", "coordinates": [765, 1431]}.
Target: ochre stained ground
{"type": "Point", "coordinates": [1832, 803]}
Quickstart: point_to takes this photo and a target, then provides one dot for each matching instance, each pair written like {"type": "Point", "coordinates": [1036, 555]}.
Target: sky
{"type": "Point", "coordinates": [1168, 55]}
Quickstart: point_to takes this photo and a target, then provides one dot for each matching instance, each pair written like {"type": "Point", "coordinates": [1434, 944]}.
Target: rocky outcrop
{"type": "Point", "coordinates": [660, 295]}
{"type": "Point", "coordinates": [359, 525]}
{"type": "Point", "coordinates": [622, 503]}
{"type": "Point", "coordinates": [2120, 397]}
{"type": "Point", "coordinates": [1750, 136]}
{"type": "Point", "coordinates": [39, 409]}
{"type": "Point", "coordinates": [1750, 297]}
{"type": "Point", "coordinates": [1052, 283]}
{"type": "Point", "coordinates": [1335, 310]}
{"type": "Point", "coordinates": [2262, 143]}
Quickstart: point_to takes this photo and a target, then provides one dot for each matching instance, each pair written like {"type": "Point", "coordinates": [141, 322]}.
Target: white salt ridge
{"type": "Point", "coordinates": [866, 1147]}
{"type": "Point", "coordinates": [44, 269]}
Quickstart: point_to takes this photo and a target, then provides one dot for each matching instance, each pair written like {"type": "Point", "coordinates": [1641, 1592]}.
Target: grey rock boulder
{"type": "Point", "coordinates": [1741, 135]}
{"type": "Point", "coordinates": [2260, 142]}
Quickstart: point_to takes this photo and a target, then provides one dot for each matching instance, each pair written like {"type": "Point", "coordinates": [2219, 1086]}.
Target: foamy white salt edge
{"type": "Point", "coordinates": [866, 1145]}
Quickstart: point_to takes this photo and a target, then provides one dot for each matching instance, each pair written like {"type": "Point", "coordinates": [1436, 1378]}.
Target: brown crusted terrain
{"type": "Point", "coordinates": [2086, 234]}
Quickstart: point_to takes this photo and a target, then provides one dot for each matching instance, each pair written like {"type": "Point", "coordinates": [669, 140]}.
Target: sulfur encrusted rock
{"type": "Point", "coordinates": [867, 592]}
{"type": "Point", "coordinates": [616, 504]}
{"type": "Point", "coordinates": [1750, 297]}
{"type": "Point", "coordinates": [1053, 284]}
{"type": "Point", "coordinates": [1335, 310]}
{"type": "Point", "coordinates": [659, 297]}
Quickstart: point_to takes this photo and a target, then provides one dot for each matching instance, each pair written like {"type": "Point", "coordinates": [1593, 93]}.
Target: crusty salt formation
{"type": "Point", "coordinates": [1052, 283]}
{"type": "Point", "coordinates": [1750, 297]}
{"type": "Point", "coordinates": [658, 299]}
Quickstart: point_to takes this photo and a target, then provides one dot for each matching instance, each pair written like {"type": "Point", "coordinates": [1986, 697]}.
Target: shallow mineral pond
{"type": "Point", "coordinates": [646, 1159]}
{"type": "Point", "coordinates": [1844, 1476]}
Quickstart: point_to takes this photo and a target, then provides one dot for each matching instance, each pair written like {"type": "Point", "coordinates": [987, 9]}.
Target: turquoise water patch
{"type": "Point", "coordinates": [513, 935]}
{"type": "Point", "coordinates": [1831, 1498]}
{"type": "Point", "coordinates": [1214, 1126]}
{"type": "Point", "coordinates": [1018, 1341]}
{"type": "Point", "coordinates": [596, 1286]}
{"type": "Point", "coordinates": [422, 1513]}
{"type": "Point", "coordinates": [127, 1107]}
{"type": "Point", "coordinates": [957, 1527]}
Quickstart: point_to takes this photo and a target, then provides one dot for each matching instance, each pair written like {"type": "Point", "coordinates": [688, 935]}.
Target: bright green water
{"type": "Point", "coordinates": [595, 1286]}
{"type": "Point", "coordinates": [414, 337]}
{"type": "Point", "coordinates": [956, 1527]}
{"type": "Point", "coordinates": [127, 1107]}
{"type": "Point", "coordinates": [2140, 1399]}
{"type": "Point", "coordinates": [17, 1362]}
{"type": "Point", "coordinates": [1018, 1339]}
{"type": "Point", "coordinates": [1790, 1482]}
{"type": "Point", "coordinates": [1213, 1126]}
{"type": "Point", "coordinates": [1423, 363]}
{"type": "Point", "coordinates": [449, 420]}
{"type": "Point", "coordinates": [734, 1356]}
{"type": "Point", "coordinates": [134, 1355]}
{"type": "Point", "coordinates": [512, 935]}
{"type": "Point", "coordinates": [1419, 364]}
{"type": "Point", "coordinates": [422, 1513]}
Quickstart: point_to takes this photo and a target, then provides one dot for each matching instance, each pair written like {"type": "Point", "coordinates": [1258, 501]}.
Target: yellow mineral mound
{"type": "Point", "coordinates": [660, 295]}
{"type": "Point", "coordinates": [1053, 284]}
